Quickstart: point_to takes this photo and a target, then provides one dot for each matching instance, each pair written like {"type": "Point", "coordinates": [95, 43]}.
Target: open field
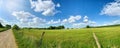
{"type": "Point", "coordinates": [109, 37]}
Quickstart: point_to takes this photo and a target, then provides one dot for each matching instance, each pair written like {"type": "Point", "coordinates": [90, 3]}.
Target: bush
{"type": "Point", "coordinates": [87, 26]}
{"type": "Point", "coordinates": [16, 27]}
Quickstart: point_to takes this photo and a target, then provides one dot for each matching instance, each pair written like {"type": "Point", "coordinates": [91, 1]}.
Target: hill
{"type": "Point", "coordinates": [116, 25]}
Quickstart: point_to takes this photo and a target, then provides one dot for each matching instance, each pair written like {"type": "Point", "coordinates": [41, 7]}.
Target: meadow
{"type": "Point", "coordinates": [109, 37]}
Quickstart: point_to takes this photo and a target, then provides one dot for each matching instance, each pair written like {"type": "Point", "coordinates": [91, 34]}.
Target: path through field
{"type": "Point", "coordinates": [7, 39]}
{"type": "Point", "coordinates": [96, 40]}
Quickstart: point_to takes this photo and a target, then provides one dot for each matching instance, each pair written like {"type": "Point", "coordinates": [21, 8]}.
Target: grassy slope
{"type": "Point", "coordinates": [116, 25]}
{"type": "Point", "coordinates": [74, 38]}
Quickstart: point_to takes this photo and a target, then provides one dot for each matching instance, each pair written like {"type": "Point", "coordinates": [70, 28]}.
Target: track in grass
{"type": "Point", "coordinates": [96, 40]}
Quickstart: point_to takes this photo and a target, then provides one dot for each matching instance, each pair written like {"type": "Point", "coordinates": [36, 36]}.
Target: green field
{"type": "Point", "coordinates": [2, 29]}
{"type": "Point", "coordinates": [109, 37]}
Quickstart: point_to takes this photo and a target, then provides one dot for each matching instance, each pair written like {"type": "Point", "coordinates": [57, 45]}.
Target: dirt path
{"type": "Point", "coordinates": [96, 40]}
{"type": "Point", "coordinates": [7, 39]}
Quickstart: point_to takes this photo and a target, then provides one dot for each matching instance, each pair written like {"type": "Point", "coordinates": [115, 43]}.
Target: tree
{"type": "Point", "coordinates": [8, 26]}
{"type": "Point", "coordinates": [16, 27]}
{"type": "Point", "coordinates": [87, 26]}
{"type": "Point", "coordinates": [60, 27]}
{"type": "Point", "coordinates": [1, 26]}
{"type": "Point", "coordinates": [56, 27]}
{"type": "Point", "coordinates": [51, 27]}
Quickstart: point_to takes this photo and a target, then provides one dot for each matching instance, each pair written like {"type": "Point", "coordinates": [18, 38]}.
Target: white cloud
{"type": "Point", "coordinates": [27, 19]}
{"type": "Point", "coordinates": [46, 7]}
{"type": "Point", "coordinates": [11, 5]}
{"type": "Point", "coordinates": [78, 25]}
{"type": "Point", "coordinates": [116, 22]}
{"type": "Point", "coordinates": [58, 5]}
{"type": "Point", "coordinates": [74, 18]}
{"type": "Point", "coordinates": [85, 19]}
{"type": "Point", "coordinates": [111, 23]}
{"type": "Point", "coordinates": [64, 21]}
{"type": "Point", "coordinates": [112, 9]}
{"type": "Point", "coordinates": [54, 22]}
{"type": "Point", "coordinates": [92, 22]}
{"type": "Point", "coordinates": [82, 24]}
{"type": "Point", "coordinates": [1, 1]}
{"type": "Point", "coordinates": [71, 19]}
{"type": "Point", "coordinates": [3, 22]}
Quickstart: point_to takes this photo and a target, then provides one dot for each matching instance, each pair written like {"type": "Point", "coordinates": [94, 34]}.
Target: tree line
{"type": "Point", "coordinates": [6, 26]}
{"type": "Point", "coordinates": [50, 27]}
{"type": "Point", "coordinates": [57, 27]}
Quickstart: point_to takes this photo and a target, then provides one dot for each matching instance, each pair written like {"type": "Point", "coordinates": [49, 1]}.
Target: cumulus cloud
{"type": "Point", "coordinates": [74, 18]}
{"type": "Point", "coordinates": [82, 24]}
{"type": "Point", "coordinates": [77, 25]}
{"type": "Point", "coordinates": [92, 22]}
{"type": "Point", "coordinates": [58, 5]}
{"type": "Point", "coordinates": [65, 21]}
{"type": "Point", "coordinates": [26, 18]}
{"type": "Point", "coordinates": [116, 22]}
{"type": "Point", "coordinates": [71, 19]}
{"type": "Point", "coordinates": [1, 1]}
{"type": "Point", "coordinates": [111, 9]}
{"type": "Point", "coordinates": [111, 23]}
{"type": "Point", "coordinates": [11, 5]}
{"type": "Point", "coordinates": [46, 7]}
{"type": "Point", "coordinates": [54, 22]}
{"type": "Point", "coordinates": [3, 22]}
{"type": "Point", "coordinates": [85, 19]}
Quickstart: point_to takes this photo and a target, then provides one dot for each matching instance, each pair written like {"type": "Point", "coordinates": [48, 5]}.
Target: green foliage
{"type": "Point", "coordinates": [16, 27]}
{"type": "Point", "coordinates": [61, 27]}
{"type": "Point", "coordinates": [87, 26]}
{"type": "Point", "coordinates": [56, 27]}
{"type": "Point", "coordinates": [8, 26]}
{"type": "Point", "coordinates": [1, 26]}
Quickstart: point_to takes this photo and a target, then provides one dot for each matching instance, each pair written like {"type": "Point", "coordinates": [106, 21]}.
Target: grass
{"type": "Point", "coordinates": [109, 37]}
{"type": "Point", "coordinates": [2, 29]}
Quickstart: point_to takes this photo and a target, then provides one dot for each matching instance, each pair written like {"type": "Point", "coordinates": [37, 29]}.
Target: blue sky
{"type": "Point", "coordinates": [71, 13]}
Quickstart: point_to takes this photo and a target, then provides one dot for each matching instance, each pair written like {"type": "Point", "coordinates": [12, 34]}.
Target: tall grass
{"type": "Point", "coordinates": [72, 38]}
{"type": "Point", "coordinates": [109, 37]}
{"type": "Point", "coordinates": [24, 41]}
{"type": "Point", "coordinates": [30, 38]}
{"type": "Point", "coordinates": [3, 29]}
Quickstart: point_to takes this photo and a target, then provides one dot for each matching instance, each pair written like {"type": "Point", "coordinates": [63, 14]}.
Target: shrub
{"type": "Point", "coordinates": [87, 26]}
{"type": "Point", "coordinates": [16, 27]}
